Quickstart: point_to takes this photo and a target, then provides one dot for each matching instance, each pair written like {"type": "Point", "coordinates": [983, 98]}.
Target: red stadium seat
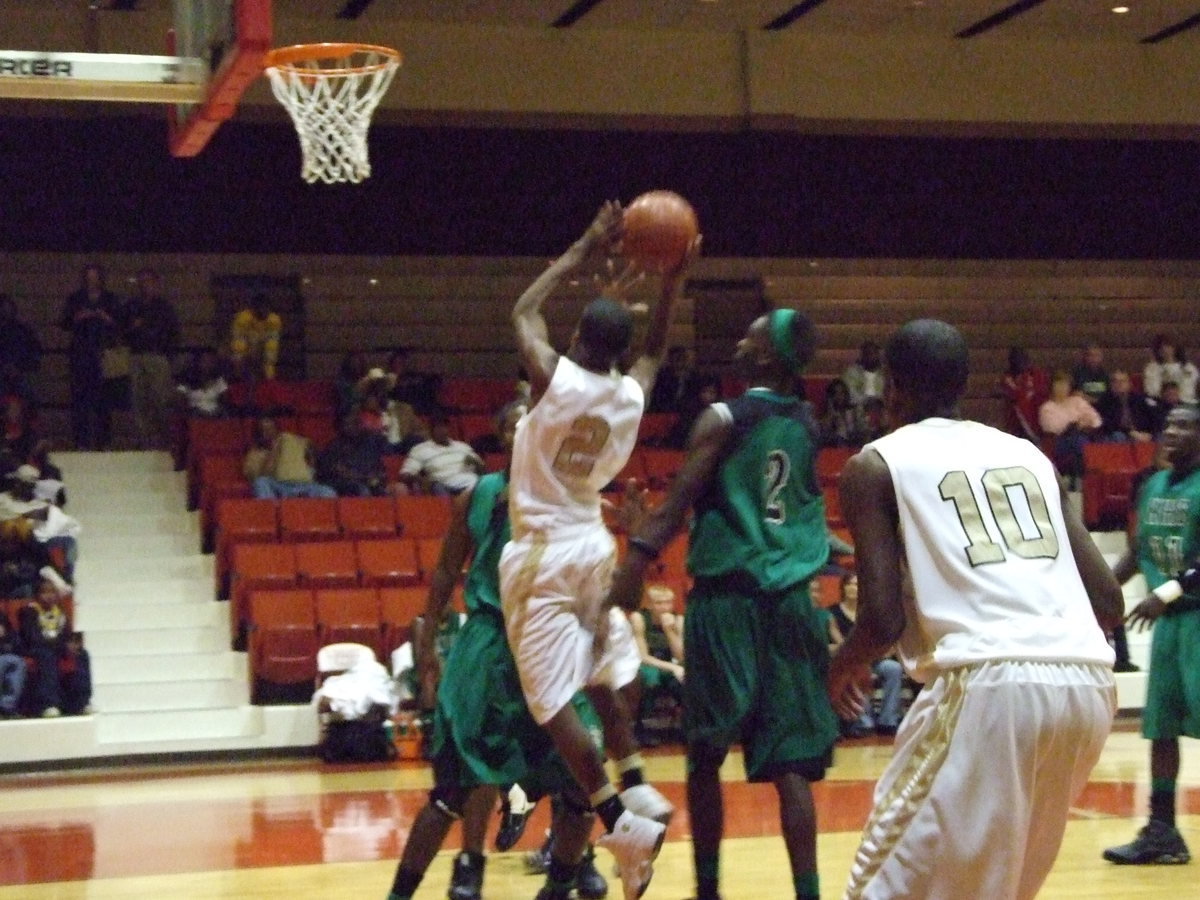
{"type": "Point", "coordinates": [242, 521]}
{"type": "Point", "coordinates": [398, 606]}
{"type": "Point", "coordinates": [349, 615]}
{"type": "Point", "coordinates": [258, 567]}
{"type": "Point", "coordinates": [309, 519]}
{"type": "Point", "coordinates": [389, 562]}
{"type": "Point", "coordinates": [283, 638]}
{"type": "Point", "coordinates": [367, 517]}
{"type": "Point", "coordinates": [423, 516]}
{"type": "Point", "coordinates": [327, 564]}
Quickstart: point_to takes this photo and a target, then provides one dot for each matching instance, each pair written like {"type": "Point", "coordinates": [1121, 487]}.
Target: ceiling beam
{"type": "Point", "coordinates": [354, 8]}
{"type": "Point", "coordinates": [784, 19]}
{"type": "Point", "coordinates": [1171, 30]}
{"type": "Point", "coordinates": [999, 17]}
{"type": "Point", "coordinates": [575, 12]}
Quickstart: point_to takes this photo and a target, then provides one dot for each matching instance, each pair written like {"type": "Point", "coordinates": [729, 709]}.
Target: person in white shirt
{"type": "Point", "coordinates": [555, 571]}
{"type": "Point", "coordinates": [864, 377]}
{"type": "Point", "coordinates": [1169, 364]}
{"type": "Point", "coordinates": [441, 465]}
{"type": "Point", "coordinates": [973, 564]}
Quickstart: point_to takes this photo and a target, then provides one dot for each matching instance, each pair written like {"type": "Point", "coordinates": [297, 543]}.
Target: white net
{"type": "Point", "coordinates": [331, 98]}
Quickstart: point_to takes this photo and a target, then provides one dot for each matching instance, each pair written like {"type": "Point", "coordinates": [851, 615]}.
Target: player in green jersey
{"type": "Point", "coordinates": [756, 646]}
{"type": "Point", "coordinates": [1165, 551]}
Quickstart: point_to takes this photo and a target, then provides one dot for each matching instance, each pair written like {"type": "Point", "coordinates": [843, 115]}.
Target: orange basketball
{"type": "Point", "coordinates": [659, 228]}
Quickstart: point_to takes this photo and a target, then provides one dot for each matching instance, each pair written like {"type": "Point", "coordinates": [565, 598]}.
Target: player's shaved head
{"type": "Point", "coordinates": [606, 328]}
{"type": "Point", "coordinates": [928, 359]}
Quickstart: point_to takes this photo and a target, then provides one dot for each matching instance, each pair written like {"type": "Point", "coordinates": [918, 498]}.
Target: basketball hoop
{"type": "Point", "coordinates": [331, 90]}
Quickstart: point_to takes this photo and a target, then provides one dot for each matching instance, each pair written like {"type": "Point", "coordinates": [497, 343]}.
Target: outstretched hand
{"type": "Point", "coordinates": [607, 228]}
{"type": "Point", "coordinates": [1145, 613]}
{"type": "Point", "coordinates": [629, 514]}
{"type": "Point", "coordinates": [689, 257]}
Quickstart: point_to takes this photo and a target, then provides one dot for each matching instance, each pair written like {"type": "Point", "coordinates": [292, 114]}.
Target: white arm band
{"type": "Point", "coordinates": [1168, 591]}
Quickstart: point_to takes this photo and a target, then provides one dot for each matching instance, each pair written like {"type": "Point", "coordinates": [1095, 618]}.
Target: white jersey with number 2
{"type": "Point", "coordinates": [573, 442]}
{"type": "Point", "coordinates": [991, 568]}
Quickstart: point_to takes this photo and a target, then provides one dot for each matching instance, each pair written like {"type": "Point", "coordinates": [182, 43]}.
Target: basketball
{"type": "Point", "coordinates": [659, 228]}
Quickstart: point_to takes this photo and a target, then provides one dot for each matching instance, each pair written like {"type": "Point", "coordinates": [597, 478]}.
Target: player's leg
{"type": "Point", "coordinates": [429, 830]}
{"type": "Point", "coordinates": [798, 825]}
{"type": "Point", "coordinates": [1172, 709]}
{"type": "Point", "coordinates": [466, 879]}
{"type": "Point", "coordinates": [570, 829]}
{"type": "Point", "coordinates": [706, 807]}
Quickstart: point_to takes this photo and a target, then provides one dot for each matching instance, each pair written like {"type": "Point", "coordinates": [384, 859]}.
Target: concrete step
{"type": "Point", "coordinates": [98, 569]}
{"type": "Point", "coordinates": [114, 547]}
{"type": "Point", "coordinates": [105, 643]}
{"type": "Point", "coordinates": [213, 694]}
{"type": "Point", "coordinates": [146, 618]}
{"type": "Point", "coordinates": [118, 522]}
{"type": "Point", "coordinates": [136, 503]}
{"type": "Point", "coordinates": [118, 485]}
{"type": "Point", "coordinates": [83, 464]}
{"type": "Point", "coordinates": [179, 724]}
{"type": "Point", "coordinates": [108, 588]}
{"type": "Point", "coordinates": [176, 668]}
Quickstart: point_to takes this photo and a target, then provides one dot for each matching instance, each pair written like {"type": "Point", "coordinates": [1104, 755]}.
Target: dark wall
{"type": "Point", "coordinates": [108, 184]}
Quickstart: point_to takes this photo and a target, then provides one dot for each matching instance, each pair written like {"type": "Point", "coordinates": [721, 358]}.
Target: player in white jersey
{"type": "Point", "coordinates": [970, 558]}
{"type": "Point", "coordinates": [555, 572]}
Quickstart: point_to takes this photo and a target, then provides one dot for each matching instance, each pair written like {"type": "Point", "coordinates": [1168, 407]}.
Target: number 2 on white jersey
{"type": "Point", "coordinates": [981, 549]}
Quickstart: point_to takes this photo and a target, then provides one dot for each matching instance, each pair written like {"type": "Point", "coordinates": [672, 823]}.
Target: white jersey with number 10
{"type": "Point", "coordinates": [573, 442]}
{"type": "Point", "coordinates": [991, 571]}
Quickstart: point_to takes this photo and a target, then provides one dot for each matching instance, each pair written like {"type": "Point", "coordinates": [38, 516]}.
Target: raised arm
{"type": "Point", "coordinates": [645, 368]}
{"type": "Point", "coordinates": [533, 338]}
{"type": "Point", "coordinates": [660, 525]}
{"type": "Point", "coordinates": [456, 547]}
{"type": "Point", "coordinates": [868, 503]}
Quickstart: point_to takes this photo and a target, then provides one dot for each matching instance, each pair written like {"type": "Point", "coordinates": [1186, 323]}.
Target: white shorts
{"type": "Point", "coordinates": [552, 591]}
{"type": "Point", "coordinates": [987, 762]}
{"type": "Point", "coordinates": [627, 659]}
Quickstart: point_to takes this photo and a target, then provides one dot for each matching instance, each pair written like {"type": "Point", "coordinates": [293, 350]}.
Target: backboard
{"type": "Point", "coordinates": [213, 51]}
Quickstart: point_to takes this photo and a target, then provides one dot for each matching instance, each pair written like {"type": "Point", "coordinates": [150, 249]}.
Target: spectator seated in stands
{"type": "Point", "coordinates": [1070, 420]}
{"type": "Point", "coordinates": [60, 680]}
{"type": "Point", "coordinates": [12, 673]}
{"type": "Point", "coordinates": [658, 632]}
{"type": "Point", "coordinates": [352, 370]}
{"type": "Point", "coordinates": [441, 465]}
{"type": "Point", "coordinates": [864, 377]}
{"type": "Point", "coordinates": [38, 523]}
{"type": "Point", "coordinates": [676, 380]}
{"type": "Point", "coordinates": [1025, 388]}
{"type": "Point", "coordinates": [842, 423]}
{"type": "Point", "coordinates": [418, 389]}
{"type": "Point", "coordinates": [1090, 377]}
{"type": "Point", "coordinates": [1169, 363]}
{"type": "Point", "coordinates": [1161, 406]}
{"type": "Point", "coordinates": [1125, 414]}
{"type": "Point", "coordinates": [203, 386]}
{"type": "Point", "coordinates": [17, 412]}
{"type": "Point", "coordinates": [889, 674]}
{"type": "Point", "coordinates": [394, 419]}
{"type": "Point", "coordinates": [281, 464]}
{"type": "Point", "coordinates": [353, 464]}
{"type": "Point", "coordinates": [707, 392]}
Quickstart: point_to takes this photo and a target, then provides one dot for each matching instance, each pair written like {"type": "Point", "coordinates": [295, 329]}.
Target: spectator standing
{"type": "Point", "coordinates": [152, 330]}
{"type": "Point", "coordinates": [1169, 363]}
{"type": "Point", "coordinates": [1090, 377]}
{"type": "Point", "coordinates": [1070, 420]}
{"type": "Point", "coordinates": [1125, 414]}
{"type": "Point", "coordinates": [1025, 387]}
{"type": "Point", "coordinates": [864, 377]}
{"type": "Point", "coordinates": [441, 465]}
{"type": "Point", "coordinates": [20, 349]}
{"type": "Point", "coordinates": [254, 339]}
{"type": "Point", "coordinates": [281, 464]}
{"type": "Point", "coordinates": [353, 464]}
{"type": "Point", "coordinates": [92, 316]}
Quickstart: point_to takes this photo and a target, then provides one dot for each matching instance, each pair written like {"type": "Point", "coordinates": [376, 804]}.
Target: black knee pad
{"type": "Point", "coordinates": [448, 800]}
{"type": "Point", "coordinates": [702, 758]}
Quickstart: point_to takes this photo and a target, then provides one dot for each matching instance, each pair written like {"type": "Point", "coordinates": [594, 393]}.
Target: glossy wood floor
{"type": "Point", "coordinates": [300, 829]}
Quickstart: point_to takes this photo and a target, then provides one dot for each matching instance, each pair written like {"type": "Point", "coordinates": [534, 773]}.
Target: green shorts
{"type": "Point", "coordinates": [1173, 687]}
{"type": "Point", "coordinates": [482, 730]}
{"type": "Point", "coordinates": [756, 669]}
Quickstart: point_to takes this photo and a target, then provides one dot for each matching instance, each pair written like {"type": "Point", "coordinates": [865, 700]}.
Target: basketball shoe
{"type": "Point", "coordinates": [645, 800]}
{"type": "Point", "coordinates": [634, 843]}
{"type": "Point", "coordinates": [466, 881]}
{"type": "Point", "coordinates": [1156, 844]}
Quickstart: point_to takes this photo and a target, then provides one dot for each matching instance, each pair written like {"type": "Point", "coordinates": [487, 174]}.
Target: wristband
{"type": "Point", "coordinates": [646, 547]}
{"type": "Point", "coordinates": [1169, 591]}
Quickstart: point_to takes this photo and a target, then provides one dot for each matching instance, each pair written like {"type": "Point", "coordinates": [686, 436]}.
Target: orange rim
{"type": "Point", "coordinates": [287, 57]}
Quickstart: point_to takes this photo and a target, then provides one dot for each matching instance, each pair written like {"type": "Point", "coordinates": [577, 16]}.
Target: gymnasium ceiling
{"type": "Point", "coordinates": [1146, 20]}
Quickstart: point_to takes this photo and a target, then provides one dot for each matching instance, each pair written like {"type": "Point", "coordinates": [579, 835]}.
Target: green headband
{"type": "Point", "coordinates": [781, 336]}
